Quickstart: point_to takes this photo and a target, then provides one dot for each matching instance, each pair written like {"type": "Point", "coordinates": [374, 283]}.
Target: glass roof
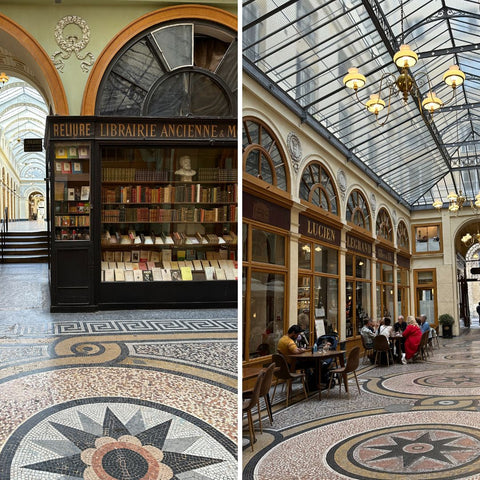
{"type": "Point", "coordinates": [305, 48]}
{"type": "Point", "coordinates": [22, 115]}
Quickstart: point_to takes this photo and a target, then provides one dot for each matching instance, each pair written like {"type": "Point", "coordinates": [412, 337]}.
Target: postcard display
{"type": "Point", "coordinates": [144, 213]}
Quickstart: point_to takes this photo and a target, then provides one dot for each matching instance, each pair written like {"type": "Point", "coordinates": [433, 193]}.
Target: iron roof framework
{"type": "Point", "coordinates": [301, 50]}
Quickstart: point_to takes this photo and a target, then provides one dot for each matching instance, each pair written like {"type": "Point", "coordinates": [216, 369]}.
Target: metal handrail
{"type": "Point", "coordinates": [3, 232]}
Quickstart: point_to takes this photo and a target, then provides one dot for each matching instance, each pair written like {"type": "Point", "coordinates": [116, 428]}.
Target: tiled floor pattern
{"type": "Point", "coordinates": [414, 422]}
{"type": "Point", "coordinates": [124, 395]}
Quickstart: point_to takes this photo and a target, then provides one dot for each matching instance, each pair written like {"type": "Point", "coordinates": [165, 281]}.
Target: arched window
{"type": "Point", "coordinates": [358, 212]}
{"type": "Point", "coordinates": [316, 187]}
{"type": "Point", "coordinates": [384, 225]}
{"type": "Point", "coordinates": [402, 236]}
{"type": "Point", "coordinates": [262, 155]}
{"type": "Point", "coordinates": [177, 69]}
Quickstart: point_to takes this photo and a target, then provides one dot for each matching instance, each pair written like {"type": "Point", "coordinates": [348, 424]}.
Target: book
{"type": "Point", "coordinates": [176, 275]}
{"type": "Point", "coordinates": [70, 194]}
{"type": "Point", "coordinates": [77, 167]}
{"type": "Point", "coordinates": [129, 275]}
{"type": "Point", "coordinates": [166, 255]}
{"type": "Point", "coordinates": [109, 275]}
{"type": "Point", "coordinates": [166, 274]}
{"type": "Point", "coordinates": [220, 274]}
{"type": "Point", "coordinates": [209, 273]}
{"type": "Point", "coordinates": [66, 167]}
{"type": "Point", "coordinates": [83, 151]}
{"type": "Point", "coordinates": [147, 276]}
{"type": "Point", "coordinates": [85, 192]}
{"type": "Point", "coordinates": [138, 275]}
{"type": "Point", "coordinates": [198, 275]}
{"type": "Point", "coordinates": [157, 274]}
{"type": "Point", "coordinates": [119, 275]}
{"type": "Point", "coordinates": [186, 273]}
{"type": "Point", "coordinates": [72, 152]}
{"type": "Point", "coordinates": [61, 152]}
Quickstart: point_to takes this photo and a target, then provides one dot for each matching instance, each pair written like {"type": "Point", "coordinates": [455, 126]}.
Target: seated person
{"type": "Point", "coordinates": [401, 325]}
{"type": "Point", "coordinates": [286, 345]}
{"type": "Point", "coordinates": [424, 325]}
{"type": "Point", "coordinates": [367, 332]}
{"type": "Point", "coordinates": [386, 327]}
{"type": "Point", "coordinates": [412, 335]}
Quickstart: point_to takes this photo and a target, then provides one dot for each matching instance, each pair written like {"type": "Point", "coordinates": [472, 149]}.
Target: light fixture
{"type": "Point", "coordinates": [3, 79]}
{"type": "Point", "coordinates": [457, 202]}
{"type": "Point", "coordinates": [468, 239]}
{"type": "Point", "coordinates": [404, 59]}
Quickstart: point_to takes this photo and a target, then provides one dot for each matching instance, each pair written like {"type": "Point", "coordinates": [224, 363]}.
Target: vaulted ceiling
{"type": "Point", "coordinates": [301, 50]}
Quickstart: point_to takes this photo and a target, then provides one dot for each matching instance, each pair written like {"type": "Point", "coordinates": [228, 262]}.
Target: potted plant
{"type": "Point", "coordinates": [446, 321]}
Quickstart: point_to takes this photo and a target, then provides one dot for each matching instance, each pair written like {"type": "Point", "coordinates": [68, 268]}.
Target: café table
{"type": "Point", "coordinates": [319, 357]}
{"type": "Point", "coordinates": [396, 341]}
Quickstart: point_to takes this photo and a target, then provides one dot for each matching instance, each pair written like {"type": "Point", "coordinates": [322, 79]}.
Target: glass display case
{"type": "Point", "coordinates": [71, 185]}
{"type": "Point", "coordinates": [168, 214]}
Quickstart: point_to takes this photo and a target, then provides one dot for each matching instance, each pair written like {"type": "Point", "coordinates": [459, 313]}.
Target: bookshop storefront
{"type": "Point", "coordinates": [143, 194]}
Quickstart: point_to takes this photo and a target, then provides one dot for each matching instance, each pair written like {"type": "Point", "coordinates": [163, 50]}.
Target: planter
{"type": "Point", "coordinates": [447, 331]}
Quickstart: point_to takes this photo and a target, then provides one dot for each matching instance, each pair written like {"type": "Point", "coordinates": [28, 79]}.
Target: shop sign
{"type": "Point", "coordinates": [385, 255]}
{"type": "Point", "coordinates": [265, 212]}
{"type": "Point", "coordinates": [139, 129]}
{"type": "Point", "coordinates": [319, 231]}
{"type": "Point", "coordinates": [403, 262]}
{"type": "Point", "coordinates": [358, 245]}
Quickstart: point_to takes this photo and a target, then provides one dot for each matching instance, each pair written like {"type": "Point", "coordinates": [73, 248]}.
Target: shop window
{"type": "Point", "coordinates": [175, 70]}
{"type": "Point", "coordinates": [358, 293]}
{"type": "Point", "coordinates": [427, 238]}
{"type": "Point", "coordinates": [263, 158]}
{"type": "Point", "coordinates": [317, 187]}
{"type": "Point", "coordinates": [268, 247]}
{"type": "Point", "coordinates": [385, 293]}
{"type": "Point", "coordinates": [358, 212]}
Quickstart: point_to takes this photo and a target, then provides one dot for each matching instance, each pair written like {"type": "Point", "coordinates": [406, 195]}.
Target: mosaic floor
{"type": "Point", "coordinates": [412, 422]}
{"type": "Point", "coordinates": [124, 395]}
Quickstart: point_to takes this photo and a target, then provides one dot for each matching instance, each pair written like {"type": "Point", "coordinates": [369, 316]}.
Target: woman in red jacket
{"type": "Point", "coordinates": [412, 336]}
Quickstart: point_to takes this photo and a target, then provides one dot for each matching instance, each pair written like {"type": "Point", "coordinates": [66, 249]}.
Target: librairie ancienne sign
{"type": "Point", "coordinates": [64, 128]}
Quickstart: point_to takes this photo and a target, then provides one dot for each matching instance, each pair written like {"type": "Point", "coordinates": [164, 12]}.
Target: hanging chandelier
{"type": "Point", "coordinates": [468, 239]}
{"type": "Point", "coordinates": [457, 202]}
{"type": "Point", "coordinates": [3, 79]}
{"type": "Point", "coordinates": [404, 84]}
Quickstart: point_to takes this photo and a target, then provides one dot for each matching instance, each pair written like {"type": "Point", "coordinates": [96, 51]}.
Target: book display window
{"type": "Point", "coordinates": [71, 184]}
{"type": "Point", "coordinates": [168, 214]}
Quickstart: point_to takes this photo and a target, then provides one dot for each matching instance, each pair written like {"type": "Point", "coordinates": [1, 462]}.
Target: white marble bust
{"type": "Point", "coordinates": [185, 170]}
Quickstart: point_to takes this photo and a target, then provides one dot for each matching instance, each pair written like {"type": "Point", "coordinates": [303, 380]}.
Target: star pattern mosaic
{"type": "Point", "coordinates": [124, 440]}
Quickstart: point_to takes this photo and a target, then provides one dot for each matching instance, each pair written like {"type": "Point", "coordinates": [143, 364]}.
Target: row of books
{"type": "Point", "coordinates": [72, 234]}
{"type": "Point", "coordinates": [67, 167]}
{"type": "Point", "coordinates": [225, 213]}
{"type": "Point", "coordinates": [121, 174]}
{"type": "Point", "coordinates": [64, 192]}
{"type": "Point", "coordinates": [72, 220]}
{"type": "Point", "coordinates": [174, 271]}
{"type": "Point", "coordinates": [194, 193]}
{"type": "Point", "coordinates": [174, 238]}
{"type": "Point", "coordinates": [72, 151]}
{"type": "Point", "coordinates": [217, 174]}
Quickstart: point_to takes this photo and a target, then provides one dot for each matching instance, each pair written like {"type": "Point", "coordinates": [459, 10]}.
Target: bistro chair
{"type": "Point", "coordinates": [350, 367]}
{"type": "Point", "coordinates": [381, 345]}
{"type": "Point", "coordinates": [249, 403]}
{"type": "Point", "coordinates": [422, 351]}
{"type": "Point", "coordinates": [434, 339]}
{"type": "Point", "coordinates": [264, 392]}
{"type": "Point", "coordinates": [283, 373]}
{"type": "Point", "coordinates": [366, 350]}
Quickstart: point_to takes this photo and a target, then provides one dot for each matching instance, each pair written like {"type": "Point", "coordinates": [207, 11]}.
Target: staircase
{"type": "Point", "coordinates": [25, 247]}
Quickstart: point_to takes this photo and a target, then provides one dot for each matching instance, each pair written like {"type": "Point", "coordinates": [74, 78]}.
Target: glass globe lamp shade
{"type": "Point", "coordinates": [453, 77]}
{"type": "Point", "coordinates": [354, 79]}
{"type": "Point", "coordinates": [405, 57]}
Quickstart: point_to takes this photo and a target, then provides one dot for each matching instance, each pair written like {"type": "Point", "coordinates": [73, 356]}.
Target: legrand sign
{"type": "Point", "coordinates": [148, 129]}
{"type": "Point", "coordinates": [358, 245]}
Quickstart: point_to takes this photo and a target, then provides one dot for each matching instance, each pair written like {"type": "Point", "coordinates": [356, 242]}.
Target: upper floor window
{"type": "Point", "coordinates": [358, 212]}
{"type": "Point", "coordinates": [384, 225]}
{"type": "Point", "coordinates": [402, 236]}
{"type": "Point", "coordinates": [262, 156]}
{"type": "Point", "coordinates": [177, 69]}
{"type": "Point", "coordinates": [316, 187]}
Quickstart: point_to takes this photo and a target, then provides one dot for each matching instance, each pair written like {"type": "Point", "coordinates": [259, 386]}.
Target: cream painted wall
{"type": "Point", "coordinates": [257, 102]}
{"type": "Point", "coordinates": [104, 18]}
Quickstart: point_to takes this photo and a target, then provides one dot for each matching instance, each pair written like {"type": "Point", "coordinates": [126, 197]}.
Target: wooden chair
{"type": "Point", "coordinates": [381, 345]}
{"type": "Point", "coordinates": [251, 402]}
{"type": "Point", "coordinates": [422, 351]}
{"type": "Point", "coordinates": [283, 373]}
{"type": "Point", "coordinates": [366, 350]}
{"type": "Point", "coordinates": [264, 392]}
{"type": "Point", "coordinates": [350, 367]}
{"type": "Point", "coordinates": [434, 339]}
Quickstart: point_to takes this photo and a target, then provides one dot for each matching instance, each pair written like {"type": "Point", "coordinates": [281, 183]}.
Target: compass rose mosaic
{"type": "Point", "coordinates": [122, 439]}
